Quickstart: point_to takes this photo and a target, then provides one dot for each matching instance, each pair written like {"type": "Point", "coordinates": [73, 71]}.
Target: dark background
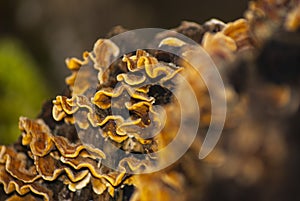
{"type": "Point", "coordinates": [51, 30]}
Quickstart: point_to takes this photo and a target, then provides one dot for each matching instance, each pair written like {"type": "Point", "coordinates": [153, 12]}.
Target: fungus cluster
{"type": "Point", "coordinates": [111, 104]}
{"type": "Point", "coordinates": [100, 89]}
{"type": "Point", "coordinates": [99, 92]}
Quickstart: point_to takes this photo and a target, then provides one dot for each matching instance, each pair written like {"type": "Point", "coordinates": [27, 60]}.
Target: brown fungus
{"type": "Point", "coordinates": [37, 135]}
{"type": "Point", "coordinates": [68, 158]}
{"type": "Point", "coordinates": [10, 185]}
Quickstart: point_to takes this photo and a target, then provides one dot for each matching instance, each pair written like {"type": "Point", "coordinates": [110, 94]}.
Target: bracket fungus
{"type": "Point", "coordinates": [114, 103]}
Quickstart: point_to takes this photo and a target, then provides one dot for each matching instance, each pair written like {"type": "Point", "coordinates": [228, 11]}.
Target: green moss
{"type": "Point", "coordinates": [22, 89]}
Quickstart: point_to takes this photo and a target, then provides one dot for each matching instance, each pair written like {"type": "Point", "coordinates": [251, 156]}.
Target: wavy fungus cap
{"type": "Point", "coordinates": [114, 102]}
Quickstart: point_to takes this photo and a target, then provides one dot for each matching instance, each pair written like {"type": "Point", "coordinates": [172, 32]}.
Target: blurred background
{"type": "Point", "coordinates": [36, 37]}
